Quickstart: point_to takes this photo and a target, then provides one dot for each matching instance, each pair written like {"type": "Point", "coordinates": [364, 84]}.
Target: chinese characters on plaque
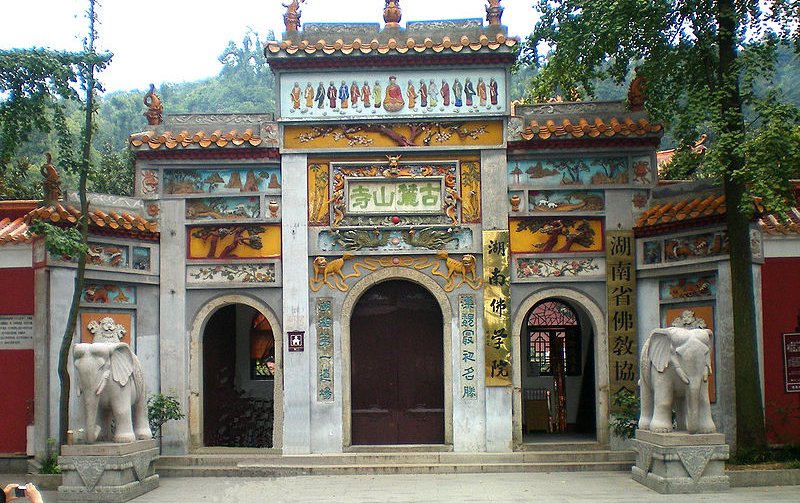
{"type": "Point", "coordinates": [405, 196]}
{"type": "Point", "coordinates": [469, 347]}
{"type": "Point", "coordinates": [791, 361]}
{"type": "Point", "coordinates": [496, 300]}
{"type": "Point", "coordinates": [324, 350]}
{"type": "Point", "coordinates": [621, 296]}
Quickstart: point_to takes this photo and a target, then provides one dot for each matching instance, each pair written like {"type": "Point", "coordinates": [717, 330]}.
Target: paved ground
{"type": "Point", "coordinates": [504, 487]}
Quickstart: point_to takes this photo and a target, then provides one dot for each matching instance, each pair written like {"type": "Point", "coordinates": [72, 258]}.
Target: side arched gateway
{"type": "Point", "coordinates": [562, 368]}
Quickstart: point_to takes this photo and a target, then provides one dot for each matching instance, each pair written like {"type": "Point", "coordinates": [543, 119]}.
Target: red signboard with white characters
{"type": "Point", "coordinates": [791, 361]}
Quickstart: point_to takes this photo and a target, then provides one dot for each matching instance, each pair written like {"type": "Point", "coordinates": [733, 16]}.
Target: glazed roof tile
{"type": "Point", "coordinates": [788, 223]}
{"type": "Point", "coordinates": [569, 128]}
{"type": "Point", "coordinates": [184, 139]}
{"type": "Point", "coordinates": [14, 231]}
{"type": "Point", "coordinates": [122, 221]}
{"type": "Point", "coordinates": [408, 45]}
{"type": "Point", "coordinates": [670, 212]}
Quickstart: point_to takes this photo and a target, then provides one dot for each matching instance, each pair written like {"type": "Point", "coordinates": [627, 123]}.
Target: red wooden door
{"type": "Point", "coordinates": [397, 358]}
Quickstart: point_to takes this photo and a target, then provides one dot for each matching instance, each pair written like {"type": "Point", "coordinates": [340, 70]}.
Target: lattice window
{"type": "Point", "coordinates": [550, 320]}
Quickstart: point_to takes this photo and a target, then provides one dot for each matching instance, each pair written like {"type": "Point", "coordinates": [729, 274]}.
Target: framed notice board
{"type": "Point", "coordinates": [791, 362]}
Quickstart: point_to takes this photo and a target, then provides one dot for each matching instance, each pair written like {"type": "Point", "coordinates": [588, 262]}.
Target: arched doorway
{"type": "Point", "coordinates": [239, 372]}
{"type": "Point", "coordinates": [558, 385]}
{"type": "Point", "coordinates": [397, 366]}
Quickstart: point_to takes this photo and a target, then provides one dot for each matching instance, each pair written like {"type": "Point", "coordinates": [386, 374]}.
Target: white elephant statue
{"type": "Point", "coordinates": [674, 368]}
{"type": "Point", "coordinates": [111, 383]}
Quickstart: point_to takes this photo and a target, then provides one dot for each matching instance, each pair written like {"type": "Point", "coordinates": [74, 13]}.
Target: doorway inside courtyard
{"type": "Point", "coordinates": [239, 370]}
{"type": "Point", "coordinates": [397, 366]}
{"type": "Point", "coordinates": [558, 374]}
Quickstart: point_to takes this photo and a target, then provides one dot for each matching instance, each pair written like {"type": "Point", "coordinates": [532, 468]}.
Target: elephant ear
{"type": "Point", "coordinates": [122, 363]}
{"type": "Point", "coordinates": [660, 349]}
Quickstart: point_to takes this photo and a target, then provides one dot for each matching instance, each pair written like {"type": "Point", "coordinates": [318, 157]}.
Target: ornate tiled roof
{"type": "Point", "coordinates": [711, 205]}
{"type": "Point", "coordinates": [184, 139]}
{"type": "Point", "coordinates": [788, 223]}
{"type": "Point", "coordinates": [591, 128]}
{"type": "Point", "coordinates": [122, 221]}
{"type": "Point", "coordinates": [403, 45]}
{"type": "Point", "coordinates": [14, 231]}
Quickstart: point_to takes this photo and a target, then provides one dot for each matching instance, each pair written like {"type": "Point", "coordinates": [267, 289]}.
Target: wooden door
{"type": "Point", "coordinates": [397, 359]}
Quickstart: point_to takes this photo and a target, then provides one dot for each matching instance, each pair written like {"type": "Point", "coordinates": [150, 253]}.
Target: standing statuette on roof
{"type": "Point", "coordinates": [392, 13]}
{"type": "Point", "coordinates": [292, 17]}
{"type": "Point", "coordinates": [494, 11]}
{"type": "Point", "coordinates": [637, 92]}
{"type": "Point", "coordinates": [154, 107]}
{"type": "Point", "coordinates": [52, 182]}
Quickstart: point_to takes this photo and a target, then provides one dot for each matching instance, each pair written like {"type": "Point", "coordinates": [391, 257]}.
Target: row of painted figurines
{"type": "Point", "coordinates": [427, 94]}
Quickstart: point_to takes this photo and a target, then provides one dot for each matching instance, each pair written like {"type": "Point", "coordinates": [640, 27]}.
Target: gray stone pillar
{"type": "Point", "coordinates": [495, 216]}
{"type": "Point", "coordinates": [173, 325]}
{"type": "Point", "coordinates": [297, 383]}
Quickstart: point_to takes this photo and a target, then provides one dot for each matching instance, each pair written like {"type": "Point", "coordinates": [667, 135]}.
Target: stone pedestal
{"type": "Point", "coordinates": [681, 463]}
{"type": "Point", "coordinates": [113, 473]}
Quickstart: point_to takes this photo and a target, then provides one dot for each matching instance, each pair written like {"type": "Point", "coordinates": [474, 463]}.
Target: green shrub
{"type": "Point", "coordinates": [160, 409]}
{"type": "Point", "coordinates": [625, 421]}
{"type": "Point", "coordinates": [49, 463]}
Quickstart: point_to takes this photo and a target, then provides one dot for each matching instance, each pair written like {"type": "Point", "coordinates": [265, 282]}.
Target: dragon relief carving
{"type": "Point", "coordinates": [454, 271]}
{"type": "Point", "coordinates": [419, 133]}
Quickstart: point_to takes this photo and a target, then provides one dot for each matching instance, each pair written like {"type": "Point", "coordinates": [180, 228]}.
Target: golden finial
{"type": "Point", "coordinates": [292, 17]}
{"type": "Point", "coordinates": [392, 13]}
{"type": "Point", "coordinates": [494, 11]}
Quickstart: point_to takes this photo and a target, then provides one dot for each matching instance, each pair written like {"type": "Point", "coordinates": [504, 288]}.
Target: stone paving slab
{"type": "Point", "coordinates": [501, 487]}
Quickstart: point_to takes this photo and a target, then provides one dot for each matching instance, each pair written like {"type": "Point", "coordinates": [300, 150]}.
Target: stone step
{"type": "Point", "coordinates": [272, 464]}
{"type": "Point", "coordinates": [283, 470]}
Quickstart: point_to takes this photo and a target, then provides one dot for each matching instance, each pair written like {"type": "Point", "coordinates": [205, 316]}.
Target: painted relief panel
{"type": "Point", "coordinates": [533, 268]}
{"type": "Point", "coordinates": [565, 200]}
{"type": "Point", "coordinates": [107, 293]}
{"type": "Point", "coordinates": [119, 324]}
{"type": "Point", "coordinates": [496, 307]}
{"type": "Point", "coordinates": [219, 208]}
{"type": "Point", "coordinates": [318, 202]}
{"type": "Point", "coordinates": [234, 242]}
{"type": "Point", "coordinates": [556, 235]}
{"type": "Point", "coordinates": [381, 95]}
{"type": "Point", "coordinates": [231, 273]}
{"type": "Point", "coordinates": [696, 246]}
{"type": "Point", "coordinates": [148, 182]}
{"type": "Point", "coordinates": [389, 240]}
{"type": "Point", "coordinates": [221, 181]}
{"type": "Point", "coordinates": [140, 258]}
{"type": "Point", "coordinates": [470, 192]}
{"type": "Point", "coordinates": [561, 172]}
{"type": "Point", "coordinates": [107, 255]}
{"type": "Point", "coordinates": [402, 134]}
{"type": "Point", "coordinates": [688, 287]}
{"type": "Point", "coordinates": [395, 194]}
{"type": "Point", "coordinates": [642, 169]}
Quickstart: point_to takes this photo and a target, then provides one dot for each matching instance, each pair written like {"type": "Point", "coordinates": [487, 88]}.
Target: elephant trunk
{"type": "Point", "coordinates": [90, 403]}
{"type": "Point", "coordinates": [693, 397]}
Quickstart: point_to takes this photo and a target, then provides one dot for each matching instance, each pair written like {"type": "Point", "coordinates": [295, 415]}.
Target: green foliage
{"type": "Point", "coordinates": [160, 409]}
{"type": "Point", "coordinates": [49, 463]}
{"type": "Point", "coordinates": [60, 241]}
{"type": "Point", "coordinates": [626, 420]}
{"type": "Point", "coordinates": [789, 454]}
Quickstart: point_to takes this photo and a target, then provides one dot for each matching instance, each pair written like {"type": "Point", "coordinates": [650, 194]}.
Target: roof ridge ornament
{"type": "Point", "coordinates": [637, 92]}
{"type": "Point", "coordinates": [52, 182]}
{"type": "Point", "coordinates": [494, 12]}
{"type": "Point", "coordinates": [392, 14]}
{"type": "Point", "coordinates": [292, 17]}
{"type": "Point", "coordinates": [155, 109]}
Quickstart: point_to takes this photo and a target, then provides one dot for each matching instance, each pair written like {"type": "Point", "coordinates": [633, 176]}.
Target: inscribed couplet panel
{"type": "Point", "coordinates": [621, 295]}
{"type": "Point", "coordinates": [496, 300]}
{"type": "Point", "coordinates": [325, 349]}
{"type": "Point", "coordinates": [469, 347]}
{"type": "Point", "coordinates": [791, 362]}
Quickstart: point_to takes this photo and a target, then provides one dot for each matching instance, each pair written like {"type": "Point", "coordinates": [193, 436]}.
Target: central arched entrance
{"type": "Point", "coordinates": [397, 373]}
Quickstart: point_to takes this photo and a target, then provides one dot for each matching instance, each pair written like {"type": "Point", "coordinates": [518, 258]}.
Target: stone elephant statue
{"type": "Point", "coordinates": [111, 384]}
{"type": "Point", "coordinates": [674, 368]}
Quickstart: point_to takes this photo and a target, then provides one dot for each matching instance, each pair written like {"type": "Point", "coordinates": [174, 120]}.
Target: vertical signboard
{"type": "Point", "coordinates": [791, 361]}
{"type": "Point", "coordinates": [324, 350]}
{"type": "Point", "coordinates": [469, 347]}
{"type": "Point", "coordinates": [496, 299]}
{"type": "Point", "coordinates": [621, 299]}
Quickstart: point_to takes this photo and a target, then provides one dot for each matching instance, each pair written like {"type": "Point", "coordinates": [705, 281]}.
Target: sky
{"type": "Point", "coordinates": [169, 41]}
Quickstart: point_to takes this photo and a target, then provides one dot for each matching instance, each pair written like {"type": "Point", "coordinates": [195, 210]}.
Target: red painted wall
{"type": "Point", "coordinates": [780, 279]}
{"type": "Point", "coordinates": [16, 365]}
